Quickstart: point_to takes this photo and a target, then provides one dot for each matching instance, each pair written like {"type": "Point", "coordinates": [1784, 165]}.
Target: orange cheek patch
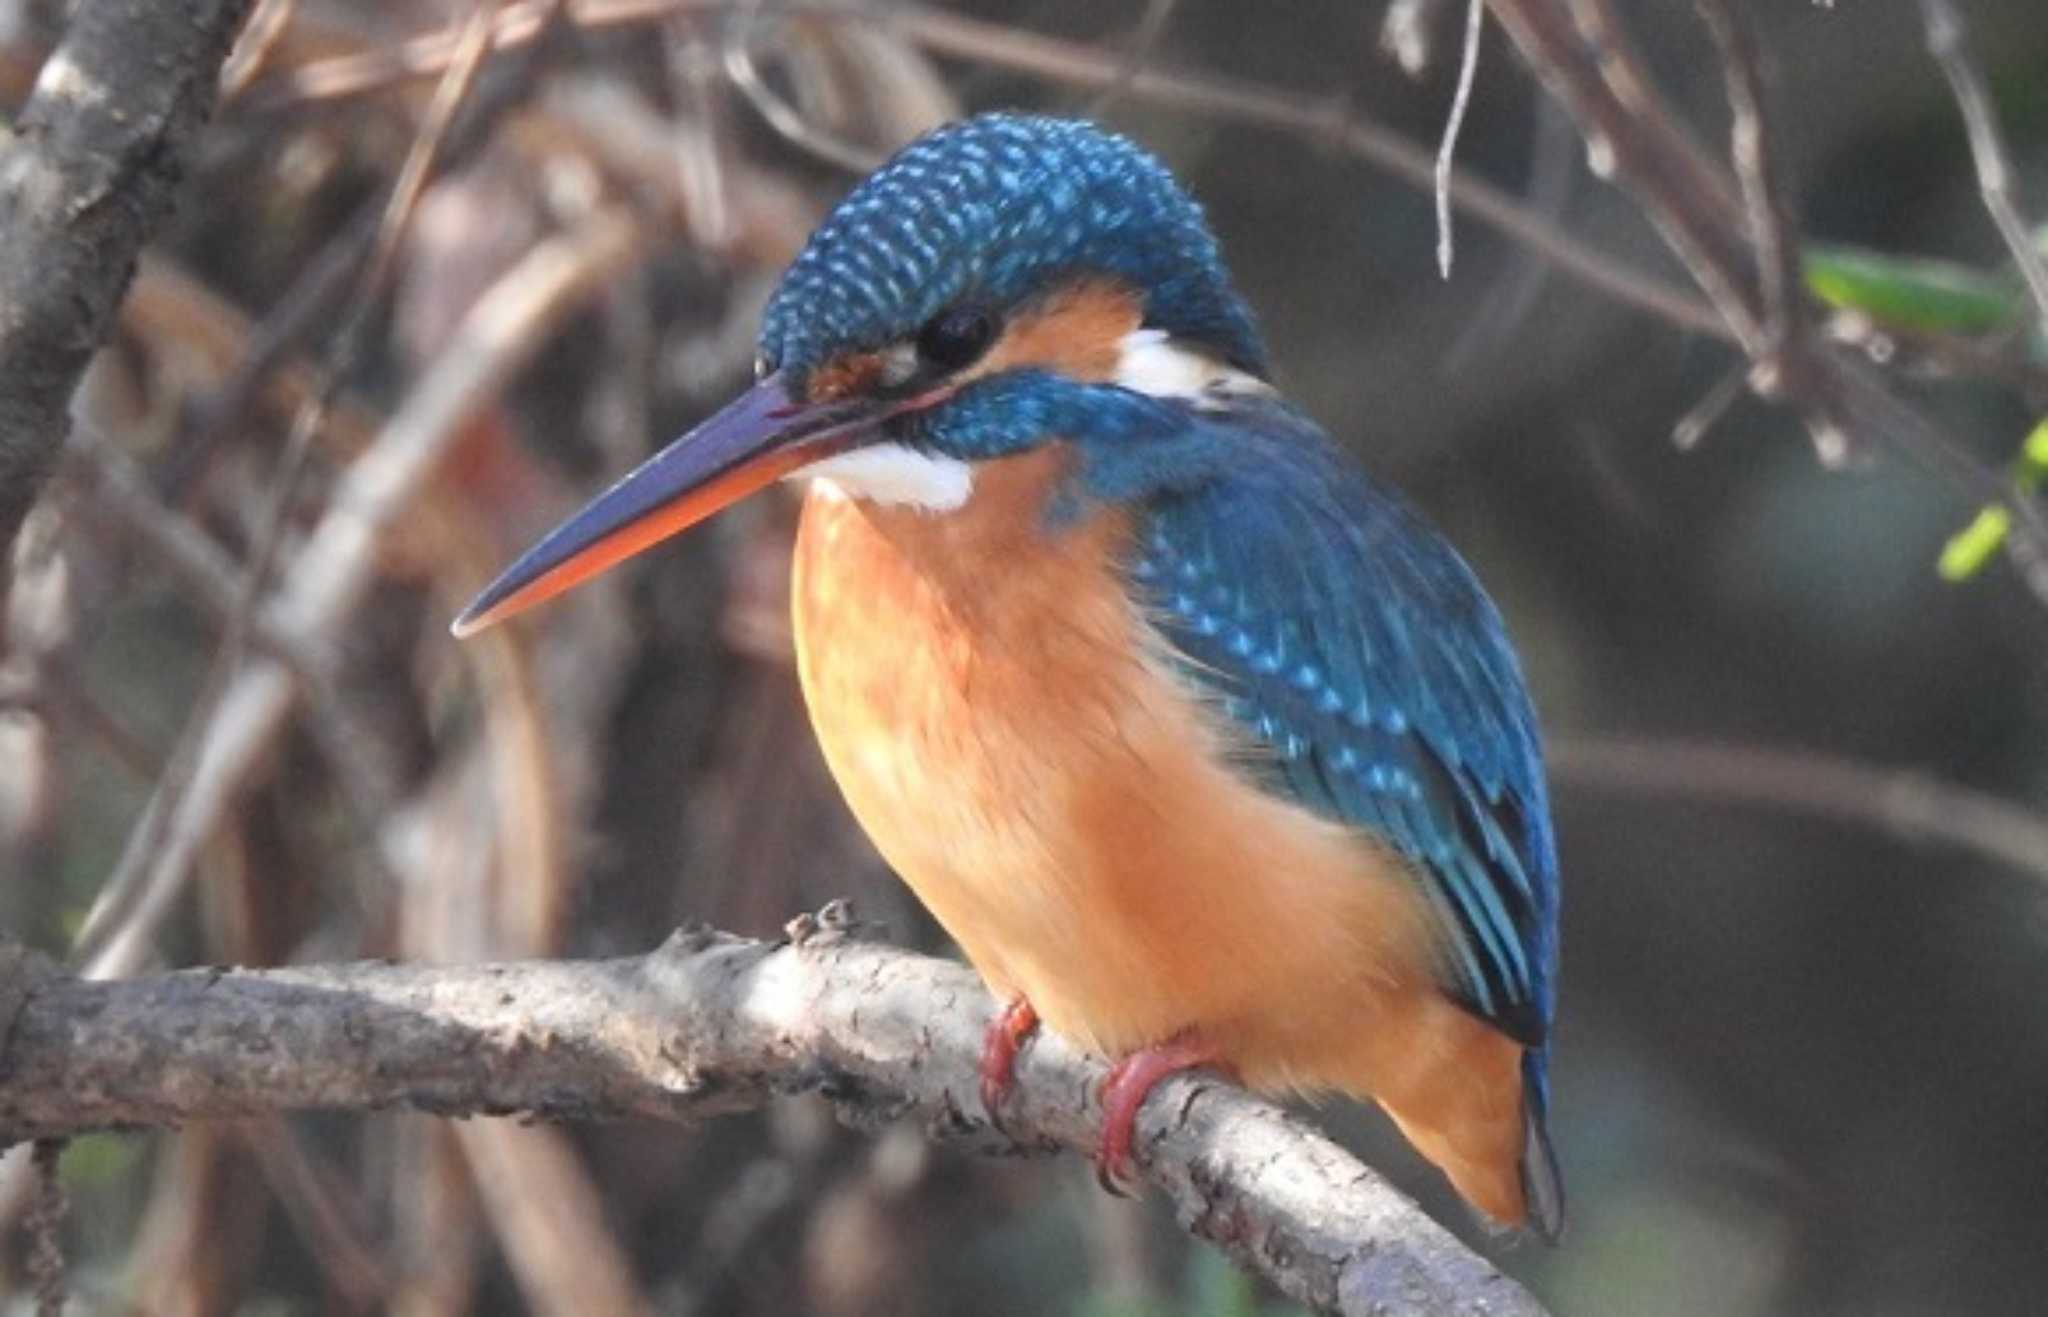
{"type": "Point", "coordinates": [844, 376]}
{"type": "Point", "coordinates": [1074, 331]}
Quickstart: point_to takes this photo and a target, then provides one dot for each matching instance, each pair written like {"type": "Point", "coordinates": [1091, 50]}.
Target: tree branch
{"type": "Point", "coordinates": [1577, 49]}
{"type": "Point", "coordinates": [1070, 63]}
{"type": "Point", "coordinates": [1892, 798]}
{"type": "Point", "coordinates": [1759, 167]}
{"type": "Point", "coordinates": [336, 568]}
{"type": "Point", "coordinates": [1950, 46]}
{"type": "Point", "coordinates": [90, 172]}
{"type": "Point", "coordinates": [709, 1024]}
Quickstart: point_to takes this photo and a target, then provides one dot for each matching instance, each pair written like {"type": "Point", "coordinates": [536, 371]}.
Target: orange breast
{"type": "Point", "coordinates": [995, 712]}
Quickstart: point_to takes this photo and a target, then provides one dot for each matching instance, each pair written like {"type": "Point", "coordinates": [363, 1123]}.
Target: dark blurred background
{"type": "Point", "coordinates": [1802, 1064]}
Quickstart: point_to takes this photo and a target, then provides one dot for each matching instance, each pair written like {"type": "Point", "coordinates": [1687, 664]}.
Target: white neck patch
{"type": "Point", "coordinates": [894, 474]}
{"type": "Point", "coordinates": [1150, 362]}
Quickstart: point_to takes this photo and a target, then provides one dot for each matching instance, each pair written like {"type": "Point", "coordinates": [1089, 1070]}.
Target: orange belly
{"type": "Point", "coordinates": [995, 712]}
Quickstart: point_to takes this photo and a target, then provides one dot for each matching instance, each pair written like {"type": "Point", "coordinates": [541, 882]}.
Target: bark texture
{"type": "Point", "coordinates": [89, 174]}
{"type": "Point", "coordinates": [707, 1024]}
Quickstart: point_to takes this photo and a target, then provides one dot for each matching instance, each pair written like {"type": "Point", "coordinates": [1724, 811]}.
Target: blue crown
{"type": "Point", "coordinates": [996, 207]}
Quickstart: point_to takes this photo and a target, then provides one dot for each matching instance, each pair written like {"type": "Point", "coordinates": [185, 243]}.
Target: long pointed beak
{"type": "Point", "coordinates": [755, 440]}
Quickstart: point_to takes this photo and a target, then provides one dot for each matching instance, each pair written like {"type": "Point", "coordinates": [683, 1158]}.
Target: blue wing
{"type": "Point", "coordinates": [1370, 669]}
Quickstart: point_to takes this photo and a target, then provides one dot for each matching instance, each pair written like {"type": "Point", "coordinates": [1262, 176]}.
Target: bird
{"type": "Point", "coordinates": [1202, 745]}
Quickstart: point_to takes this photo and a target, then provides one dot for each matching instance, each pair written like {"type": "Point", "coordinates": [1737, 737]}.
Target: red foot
{"type": "Point", "coordinates": [1129, 1083]}
{"type": "Point", "coordinates": [1011, 1030]}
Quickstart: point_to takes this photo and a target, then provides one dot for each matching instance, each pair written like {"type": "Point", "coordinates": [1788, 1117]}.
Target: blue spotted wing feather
{"type": "Point", "coordinates": [1374, 680]}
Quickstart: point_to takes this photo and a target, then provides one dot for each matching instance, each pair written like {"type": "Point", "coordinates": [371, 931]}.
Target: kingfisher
{"type": "Point", "coordinates": [1202, 745]}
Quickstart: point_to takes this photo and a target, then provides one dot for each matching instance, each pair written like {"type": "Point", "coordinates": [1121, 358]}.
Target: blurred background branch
{"type": "Point", "coordinates": [1744, 258]}
{"type": "Point", "coordinates": [1912, 805]}
{"type": "Point", "coordinates": [1949, 44]}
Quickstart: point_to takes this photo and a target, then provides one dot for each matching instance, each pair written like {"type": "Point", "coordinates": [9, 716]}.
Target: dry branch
{"type": "Point", "coordinates": [1949, 44]}
{"type": "Point", "coordinates": [1067, 63]}
{"type": "Point", "coordinates": [1741, 254]}
{"type": "Point", "coordinates": [704, 1025]}
{"type": "Point", "coordinates": [89, 174]}
{"type": "Point", "coordinates": [1893, 799]}
{"type": "Point", "coordinates": [335, 570]}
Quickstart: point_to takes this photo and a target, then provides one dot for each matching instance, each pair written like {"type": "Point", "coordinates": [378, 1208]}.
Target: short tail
{"type": "Point", "coordinates": [1480, 1117]}
{"type": "Point", "coordinates": [1542, 1182]}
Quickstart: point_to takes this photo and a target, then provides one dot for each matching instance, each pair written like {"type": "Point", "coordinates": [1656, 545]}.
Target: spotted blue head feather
{"type": "Point", "coordinates": [996, 208]}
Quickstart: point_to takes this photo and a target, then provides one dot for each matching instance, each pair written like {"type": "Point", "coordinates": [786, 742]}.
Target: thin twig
{"type": "Point", "coordinates": [1759, 168]}
{"type": "Point", "coordinates": [422, 160]}
{"type": "Point", "coordinates": [1636, 140]}
{"type": "Point", "coordinates": [1900, 801]}
{"type": "Point", "coordinates": [1840, 397]}
{"type": "Point", "coordinates": [307, 305]}
{"type": "Point", "coordinates": [260, 38]}
{"type": "Point", "coordinates": [1948, 42]}
{"type": "Point", "coordinates": [337, 566]}
{"type": "Point", "coordinates": [327, 1226]}
{"type": "Point", "coordinates": [1073, 64]}
{"type": "Point", "coordinates": [1405, 34]}
{"type": "Point", "coordinates": [115, 485]}
{"type": "Point", "coordinates": [117, 488]}
{"type": "Point", "coordinates": [1619, 63]}
{"type": "Point", "coordinates": [1931, 353]}
{"type": "Point", "coordinates": [1151, 26]}
{"type": "Point", "coordinates": [1063, 61]}
{"type": "Point", "coordinates": [141, 881]}
{"type": "Point", "coordinates": [1447, 149]}
{"type": "Point", "coordinates": [1868, 406]}
{"type": "Point", "coordinates": [699, 154]}
{"type": "Point", "coordinates": [737, 55]}
{"type": "Point", "coordinates": [1705, 414]}
{"type": "Point", "coordinates": [710, 1024]}
{"type": "Point", "coordinates": [550, 1221]}
{"type": "Point", "coordinates": [517, 24]}
{"type": "Point", "coordinates": [1553, 169]}
{"type": "Point", "coordinates": [178, 1258]}
{"type": "Point", "coordinates": [370, 237]}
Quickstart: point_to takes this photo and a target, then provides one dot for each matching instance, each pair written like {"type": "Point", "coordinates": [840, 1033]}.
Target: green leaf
{"type": "Point", "coordinates": [1911, 292]}
{"type": "Point", "coordinates": [1969, 549]}
{"type": "Point", "coordinates": [2034, 456]}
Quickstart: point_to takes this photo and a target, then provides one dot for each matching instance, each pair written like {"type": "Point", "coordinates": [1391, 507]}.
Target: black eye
{"type": "Point", "coordinates": [956, 338]}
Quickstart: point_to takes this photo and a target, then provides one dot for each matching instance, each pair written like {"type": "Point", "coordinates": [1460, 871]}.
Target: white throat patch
{"type": "Point", "coordinates": [1150, 362]}
{"type": "Point", "coordinates": [894, 474]}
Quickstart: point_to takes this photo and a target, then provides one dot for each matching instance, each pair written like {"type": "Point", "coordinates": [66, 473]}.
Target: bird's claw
{"type": "Point", "coordinates": [1114, 1171]}
{"type": "Point", "coordinates": [1124, 1090]}
{"type": "Point", "coordinates": [1006, 1037]}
